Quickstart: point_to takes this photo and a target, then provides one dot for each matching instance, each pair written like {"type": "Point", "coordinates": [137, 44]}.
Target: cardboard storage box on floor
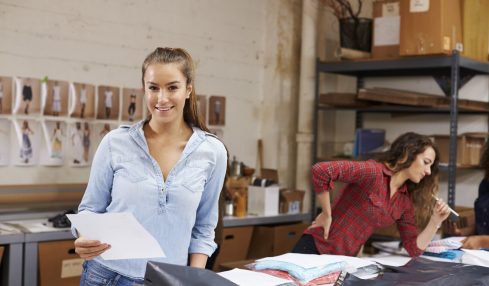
{"type": "Point", "coordinates": [430, 27]}
{"type": "Point", "coordinates": [263, 201]}
{"type": "Point", "coordinates": [59, 264]}
{"type": "Point", "coordinates": [291, 201]}
{"type": "Point", "coordinates": [476, 29]}
{"type": "Point", "coordinates": [386, 30]}
{"type": "Point", "coordinates": [274, 240]}
{"type": "Point", "coordinates": [234, 245]}
{"type": "Point", "coordinates": [469, 147]}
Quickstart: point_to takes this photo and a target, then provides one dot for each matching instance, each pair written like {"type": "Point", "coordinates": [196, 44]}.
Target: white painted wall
{"type": "Point", "coordinates": [246, 51]}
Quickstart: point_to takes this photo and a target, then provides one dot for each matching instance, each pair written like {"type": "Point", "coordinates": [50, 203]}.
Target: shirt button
{"type": "Point", "coordinates": [485, 210]}
{"type": "Point", "coordinates": [484, 223]}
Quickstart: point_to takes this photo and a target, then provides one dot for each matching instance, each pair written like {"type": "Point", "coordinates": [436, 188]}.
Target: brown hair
{"type": "Point", "coordinates": [183, 58]}
{"type": "Point", "coordinates": [400, 156]}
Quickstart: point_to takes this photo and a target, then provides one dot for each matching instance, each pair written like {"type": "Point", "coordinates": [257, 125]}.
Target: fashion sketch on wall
{"type": "Point", "coordinates": [80, 144]}
{"type": "Point", "coordinates": [202, 107]}
{"type": "Point", "coordinates": [55, 98]}
{"type": "Point", "coordinates": [132, 104]}
{"type": "Point", "coordinates": [217, 110]}
{"type": "Point", "coordinates": [27, 99]}
{"type": "Point", "coordinates": [5, 95]}
{"type": "Point", "coordinates": [25, 142]}
{"type": "Point", "coordinates": [53, 143]}
{"type": "Point", "coordinates": [4, 142]}
{"type": "Point", "coordinates": [82, 100]}
{"type": "Point", "coordinates": [108, 102]}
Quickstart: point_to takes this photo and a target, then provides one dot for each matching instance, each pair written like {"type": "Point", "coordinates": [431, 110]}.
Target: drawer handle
{"type": "Point", "coordinates": [71, 251]}
{"type": "Point", "coordinates": [229, 236]}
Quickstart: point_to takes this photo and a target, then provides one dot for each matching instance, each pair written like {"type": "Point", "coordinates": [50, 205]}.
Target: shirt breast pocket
{"type": "Point", "coordinates": [131, 171]}
{"type": "Point", "coordinates": [194, 180]}
{"type": "Point", "coordinates": [376, 209]}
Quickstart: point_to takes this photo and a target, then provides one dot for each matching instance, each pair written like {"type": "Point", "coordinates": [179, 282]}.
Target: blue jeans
{"type": "Point", "coordinates": [95, 274]}
{"type": "Point", "coordinates": [305, 245]}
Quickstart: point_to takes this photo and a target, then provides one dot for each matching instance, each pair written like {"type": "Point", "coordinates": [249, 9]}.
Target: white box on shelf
{"type": "Point", "coordinates": [263, 201]}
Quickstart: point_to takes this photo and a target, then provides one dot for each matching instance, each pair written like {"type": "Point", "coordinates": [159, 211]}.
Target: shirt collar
{"type": "Point", "coordinates": [137, 133]}
{"type": "Point", "coordinates": [388, 172]}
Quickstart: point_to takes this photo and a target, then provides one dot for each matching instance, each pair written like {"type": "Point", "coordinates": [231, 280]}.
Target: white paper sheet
{"type": "Point", "coordinates": [128, 239]}
{"type": "Point", "coordinates": [387, 31]}
{"type": "Point", "coordinates": [389, 259]}
{"type": "Point", "coordinates": [313, 260]}
{"type": "Point", "coordinates": [244, 277]}
{"type": "Point", "coordinates": [476, 257]}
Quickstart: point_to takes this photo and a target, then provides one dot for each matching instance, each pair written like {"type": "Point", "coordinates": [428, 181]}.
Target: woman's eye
{"type": "Point", "coordinates": [152, 87]}
{"type": "Point", "coordinates": [172, 87]}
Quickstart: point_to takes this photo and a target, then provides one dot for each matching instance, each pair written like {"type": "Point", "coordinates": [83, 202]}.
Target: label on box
{"type": "Point", "coordinates": [446, 43]}
{"type": "Point", "coordinates": [418, 6]}
{"type": "Point", "coordinates": [387, 31]}
{"type": "Point", "coordinates": [390, 9]}
{"type": "Point", "coordinates": [71, 267]}
{"type": "Point", "coordinates": [294, 207]}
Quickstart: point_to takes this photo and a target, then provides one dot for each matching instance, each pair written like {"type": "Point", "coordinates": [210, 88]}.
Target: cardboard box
{"type": "Point", "coordinates": [2, 249]}
{"type": "Point", "coordinates": [235, 264]}
{"type": "Point", "coordinates": [465, 223]}
{"type": "Point", "coordinates": [469, 147]}
{"type": "Point", "coordinates": [59, 264]}
{"type": "Point", "coordinates": [386, 29]}
{"type": "Point", "coordinates": [291, 201]}
{"type": "Point", "coordinates": [263, 201]}
{"type": "Point", "coordinates": [389, 231]}
{"type": "Point", "coordinates": [476, 29]}
{"type": "Point", "coordinates": [235, 244]}
{"type": "Point", "coordinates": [430, 27]}
{"type": "Point", "coordinates": [274, 240]}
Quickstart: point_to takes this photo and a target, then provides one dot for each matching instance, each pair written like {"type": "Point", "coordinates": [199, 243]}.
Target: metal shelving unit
{"type": "Point", "coordinates": [451, 72]}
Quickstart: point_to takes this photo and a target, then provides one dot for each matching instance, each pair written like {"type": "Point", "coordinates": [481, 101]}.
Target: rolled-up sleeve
{"type": "Point", "coordinates": [409, 232]}
{"type": "Point", "coordinates": [202, 240]}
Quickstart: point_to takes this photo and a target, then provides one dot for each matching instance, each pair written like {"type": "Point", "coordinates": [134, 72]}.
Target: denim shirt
{"type": "Point", "coordinates": [181, 212]}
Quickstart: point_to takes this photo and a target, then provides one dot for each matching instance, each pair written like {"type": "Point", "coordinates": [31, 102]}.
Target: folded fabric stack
{"type": "Point", "coordinates": [301, 274]}
{"type": "Point", "coordinates": [444, 248]}
{"type": "Point", "coordinates": [326, 279]}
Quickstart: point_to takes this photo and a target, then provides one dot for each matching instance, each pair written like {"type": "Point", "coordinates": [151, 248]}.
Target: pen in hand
{"type": "Point", "coordinates": [449, 208]}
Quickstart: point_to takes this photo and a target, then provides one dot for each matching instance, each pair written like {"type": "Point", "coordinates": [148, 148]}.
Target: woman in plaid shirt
{"type": "Point", "coordinates": [397, 187]}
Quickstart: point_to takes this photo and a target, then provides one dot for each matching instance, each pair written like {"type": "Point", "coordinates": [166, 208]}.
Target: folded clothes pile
{"type": "Point", "coordinates": [299, 273]}
{"type": "Point", "coordinates": [444, 248]}
{"type": "Point", "coordinates": [326, 279]}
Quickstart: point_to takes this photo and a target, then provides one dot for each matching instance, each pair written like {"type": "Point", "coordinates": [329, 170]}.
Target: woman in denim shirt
{"type": "Point", "coordinates": [167, 171]}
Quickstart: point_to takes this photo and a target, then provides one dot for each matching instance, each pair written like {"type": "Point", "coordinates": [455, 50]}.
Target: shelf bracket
{"type": "Point", "coordinates": [444, 81]}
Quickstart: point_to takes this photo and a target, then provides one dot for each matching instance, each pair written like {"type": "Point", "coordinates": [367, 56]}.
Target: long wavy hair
{"type": "Point", "coordinates": [400, 156]}
{"type": "Point", "coordinates": [183, 58]}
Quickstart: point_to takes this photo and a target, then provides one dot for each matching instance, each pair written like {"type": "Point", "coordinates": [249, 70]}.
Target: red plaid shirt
{"type": "Point", "coordinates": [363, 206]}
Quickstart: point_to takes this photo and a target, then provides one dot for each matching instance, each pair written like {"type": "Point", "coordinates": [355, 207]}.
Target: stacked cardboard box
{"type": "Point", "coordinates": [386, 30]}
{"type": "Point", "coordinates": [430, 27]}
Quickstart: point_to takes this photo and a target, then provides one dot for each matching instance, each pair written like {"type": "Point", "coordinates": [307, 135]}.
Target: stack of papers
{"type": "Point", "coordinates": [128, 239]}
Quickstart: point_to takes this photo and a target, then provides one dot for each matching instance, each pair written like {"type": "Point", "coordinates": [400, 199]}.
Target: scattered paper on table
{"type": "Point", "coordinates": [127, 237]}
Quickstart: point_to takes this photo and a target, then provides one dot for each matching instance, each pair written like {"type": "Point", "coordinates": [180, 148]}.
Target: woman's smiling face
{"type": "Point", "coordinates": [166, 91]}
